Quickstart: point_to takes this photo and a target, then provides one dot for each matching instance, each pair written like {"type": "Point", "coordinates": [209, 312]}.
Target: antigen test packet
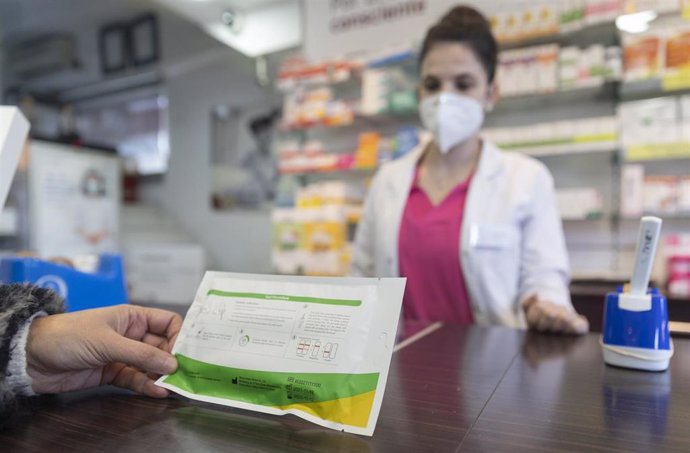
{"type": "Point", "coordinates": [318, 348]}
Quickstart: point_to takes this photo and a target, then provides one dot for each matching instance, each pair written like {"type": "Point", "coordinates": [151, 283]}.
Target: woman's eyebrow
{"type": "Point", "coordinates": [444, 74]}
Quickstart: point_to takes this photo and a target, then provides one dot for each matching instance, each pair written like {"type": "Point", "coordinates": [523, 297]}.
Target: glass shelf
{"type": "Point", "coordinates": [604, 33]}
{"type": "Point", "coordinates": [662, 215]}
{"type": "Point", "coordinates": [606, 92]}
{"type": "Point", "coordinates": [360, 121]}
{"type": "Point", "coordinates": [646, 89]}
{"type": "Point", "coordinates": [333, 172]}
{"type": "Point", "coordinates": [568, 149]}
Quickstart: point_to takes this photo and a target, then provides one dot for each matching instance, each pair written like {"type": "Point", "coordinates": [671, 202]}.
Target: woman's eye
{"type": "Point", "coordinates": [463, 84]}
{"type": "Point", "coordinates": [432, 84]}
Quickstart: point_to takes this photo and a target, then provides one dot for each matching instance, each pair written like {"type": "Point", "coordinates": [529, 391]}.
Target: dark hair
{"type": "Point", "coordinates": [465, 25]}
{"type": "Point", "coordinates": [263, 122]}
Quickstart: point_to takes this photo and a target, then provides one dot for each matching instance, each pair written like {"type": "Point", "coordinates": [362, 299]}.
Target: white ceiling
{"type": "Point", "coordinates": [268, 25]}
{"type": "Point", "coordinates": [25, 17]}
{"type": "Point", "coordinates": [242, 4]}
{"type": "Point", "coordinates": [264, 26]}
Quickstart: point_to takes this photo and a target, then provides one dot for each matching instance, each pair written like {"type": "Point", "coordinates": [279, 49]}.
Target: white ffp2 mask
{"type": "Point", "coordinates": [451, 118]}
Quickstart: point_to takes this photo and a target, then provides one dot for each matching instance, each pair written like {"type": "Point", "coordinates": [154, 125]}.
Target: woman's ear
{"type": "Point", "coordinates": [494, 95]}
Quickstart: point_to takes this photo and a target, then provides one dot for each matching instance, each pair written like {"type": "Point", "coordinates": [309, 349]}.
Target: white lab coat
{"type": "Point", "coordinates": [511, 244]}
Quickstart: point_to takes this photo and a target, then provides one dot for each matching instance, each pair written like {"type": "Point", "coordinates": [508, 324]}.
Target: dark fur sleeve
{"type": "Point", "coordinates": [18, 302]}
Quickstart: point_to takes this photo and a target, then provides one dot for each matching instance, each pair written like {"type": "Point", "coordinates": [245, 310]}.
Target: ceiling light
{"type": "Point", "coordinates": [228, 18]}
{"type": "Point", "coordinates": [635, 22]}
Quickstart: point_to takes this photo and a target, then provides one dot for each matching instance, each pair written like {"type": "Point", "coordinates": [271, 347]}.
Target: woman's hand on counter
{"type": "Point", "coordinates": [545, 316]}
{"type": "Point", "coordinates": [127, 346]}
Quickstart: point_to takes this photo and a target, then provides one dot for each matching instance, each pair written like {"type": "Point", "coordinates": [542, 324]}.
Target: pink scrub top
{"type": "Point", "coordinates": [429, 256]}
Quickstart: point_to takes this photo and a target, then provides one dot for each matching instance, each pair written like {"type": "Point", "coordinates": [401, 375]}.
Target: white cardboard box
{"type": "Point", "coordinates": [8, 222]}
{"type": "Point", "coordinates": [13, 130]}
{"type": "Point", "coordinates": [632, 185]}
{"type": "Point", "coordinates": [166, 273]}
{"type": "Point", "coordinates": [652, 121]}
{"type": "Point", "coordinates": [684, 195]}
{"type": "Point", "coordinates": [660, 194]}
{"type": "Point", "coordinates": [579, 203]}
{"type": "Point", "coordinates": [684, 102]}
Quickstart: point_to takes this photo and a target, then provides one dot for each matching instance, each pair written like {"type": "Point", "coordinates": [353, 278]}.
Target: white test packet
{"type": "Point", "coordinates": [318, 348]}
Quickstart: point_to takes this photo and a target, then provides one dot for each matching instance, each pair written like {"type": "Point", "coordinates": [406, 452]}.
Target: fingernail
{"type": "Point", "coordinates": [155, 391]}
{"type": "Point", "coordinates": [170, 364]}
{"type": "Point", "coordinates": [163, 393]}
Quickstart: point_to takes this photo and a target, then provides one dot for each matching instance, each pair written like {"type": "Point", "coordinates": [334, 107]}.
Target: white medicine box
{"type": "Point", "coordinates": [653, 121]}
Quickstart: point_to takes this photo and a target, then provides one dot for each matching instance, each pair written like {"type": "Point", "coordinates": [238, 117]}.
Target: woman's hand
{"type": "Point", "coordinates": [127, 346]}
{"type": "Point", "coordinates": [545, 316]}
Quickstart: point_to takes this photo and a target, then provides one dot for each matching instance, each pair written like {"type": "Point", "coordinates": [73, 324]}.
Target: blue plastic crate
{"type": "Point", "coordinates": [81, 290]}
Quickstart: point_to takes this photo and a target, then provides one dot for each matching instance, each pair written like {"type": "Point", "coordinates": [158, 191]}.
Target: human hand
{"type": "Point", "coordinates": [126, 346]}
{"type": "Point", "coordinates": [545, 316]}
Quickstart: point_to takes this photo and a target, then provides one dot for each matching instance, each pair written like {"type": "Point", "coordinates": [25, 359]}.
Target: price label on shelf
{"type": "Point", "coordinates": [657, 152]}
{"type": "Point", "coordinates": [676, 80]}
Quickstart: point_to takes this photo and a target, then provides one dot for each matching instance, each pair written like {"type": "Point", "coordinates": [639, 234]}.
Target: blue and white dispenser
{"type": "Point", "coordinates": [635, 333]}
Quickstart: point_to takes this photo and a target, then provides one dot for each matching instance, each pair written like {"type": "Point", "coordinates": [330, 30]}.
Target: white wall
{"type": "Point", "coordinates": [236, 240]}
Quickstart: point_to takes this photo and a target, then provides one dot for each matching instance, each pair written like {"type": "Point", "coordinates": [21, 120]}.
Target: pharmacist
{"type": "Point", "coordinates": [476, 231]}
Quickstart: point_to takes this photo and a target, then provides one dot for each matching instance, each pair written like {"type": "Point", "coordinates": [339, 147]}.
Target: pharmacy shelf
{"type": "Point", "coordinates": [663, 215]}
{"type": "Point", "coordinates": [595, 218]}
{"type": "Point", "coordinates": [568, 149]}
{"type": "Point", "coordinates": [647, 89]}
{"type": "Point", "coordinates": [354, 78]}
{"type": "Point", "coordinates": [333, 172]}
{"type": "Point", "coordinates": [411, 116]}
{"type": "Point", "coordinates": [315, 126]}
{"type": "Point", "coordinates": [606, 92]}
{"type": "Point", "coordinates": [657, 152]}
{"type": "Point", "coordinates": [360, 121]}
{"type": "Point", "coordinates": [604, 33]}
{"type": "Point", "coordinates": [406, 59]}
{"type": "Point", "coordinates": [605, 277]}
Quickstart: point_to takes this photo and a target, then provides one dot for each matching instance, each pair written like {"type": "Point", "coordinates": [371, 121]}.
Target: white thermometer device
{"type": "Point", "coordinates": [647, 241]}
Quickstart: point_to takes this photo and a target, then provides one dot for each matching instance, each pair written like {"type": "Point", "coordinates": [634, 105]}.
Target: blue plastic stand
{"type": "Point", "coordinates": [636, 333]}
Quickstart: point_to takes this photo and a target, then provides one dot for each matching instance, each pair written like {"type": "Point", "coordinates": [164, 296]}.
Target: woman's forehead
{"type": "Point", "coordinates": [450, 58]}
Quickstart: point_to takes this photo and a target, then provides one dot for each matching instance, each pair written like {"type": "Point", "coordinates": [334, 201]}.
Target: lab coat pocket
{"type": "Point", "coordinates": [494, 237]}
{"type": "Point", "coordinates": [495, 251]}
